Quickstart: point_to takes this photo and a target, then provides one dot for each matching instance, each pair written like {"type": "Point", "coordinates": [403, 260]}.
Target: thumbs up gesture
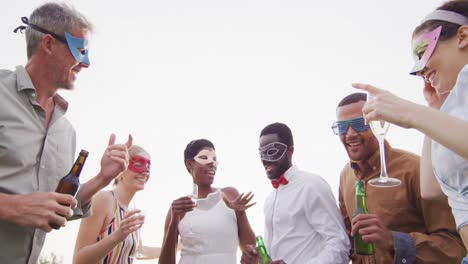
{"type": "Point", "coordinates": [115, 158]}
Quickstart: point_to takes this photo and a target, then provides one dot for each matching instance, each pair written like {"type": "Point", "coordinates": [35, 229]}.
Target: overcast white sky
{"type": "Point", "coordinates": [172, 71]}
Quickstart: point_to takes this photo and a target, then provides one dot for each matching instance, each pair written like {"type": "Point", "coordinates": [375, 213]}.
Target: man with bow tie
{"type": "Point", "coordinates": [302, 221]}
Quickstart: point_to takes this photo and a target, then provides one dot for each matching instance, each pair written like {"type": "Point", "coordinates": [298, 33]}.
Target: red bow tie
{"type": "Point", "coordinates": [282, 180]}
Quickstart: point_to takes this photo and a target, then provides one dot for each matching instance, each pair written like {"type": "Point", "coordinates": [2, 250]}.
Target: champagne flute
{"type": "Point", "coordinates": [194, 197]}
{"type": "Point", "coordinates": [380, 128]}
{"type": "Point", "coordinates": [138, 252]}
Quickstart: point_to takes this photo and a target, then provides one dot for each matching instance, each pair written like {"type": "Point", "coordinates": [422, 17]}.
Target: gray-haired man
{"type": "Point", "coordinates": [37, 142]}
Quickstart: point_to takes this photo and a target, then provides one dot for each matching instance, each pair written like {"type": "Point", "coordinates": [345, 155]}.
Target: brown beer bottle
{"type": "Point", "coordinates": [70, 183]}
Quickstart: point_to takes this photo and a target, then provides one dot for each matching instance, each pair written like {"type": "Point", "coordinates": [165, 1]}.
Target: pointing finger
{"type": "Point", "coordinates": [366, 87]}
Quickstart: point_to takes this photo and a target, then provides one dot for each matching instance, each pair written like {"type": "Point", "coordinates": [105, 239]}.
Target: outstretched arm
{"type": "Point", "coordinates": [432, 122]}
{"type": "Point", "coordinates": [240, 203]}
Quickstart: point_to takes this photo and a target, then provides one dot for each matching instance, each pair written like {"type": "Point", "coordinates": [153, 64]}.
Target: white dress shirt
{"type": "Point", "coordinates": [303, 222]}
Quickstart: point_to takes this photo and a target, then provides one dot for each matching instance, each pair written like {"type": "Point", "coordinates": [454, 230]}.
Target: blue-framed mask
{"type": "Point", "coordinates": [358, 124]}
{"type": "Point", "coordinates": [78, 46]}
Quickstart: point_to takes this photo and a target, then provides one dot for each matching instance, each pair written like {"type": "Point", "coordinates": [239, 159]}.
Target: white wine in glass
{"type": "Point", "coordinates": [138, 253]}
{"type": "Point", "coordinates": [380, 128]}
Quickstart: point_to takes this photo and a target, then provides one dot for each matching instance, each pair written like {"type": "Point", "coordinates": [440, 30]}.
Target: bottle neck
{"type": "Point", "coordinates": [78, 166]}
{"type": "Point", "coordinates": [261, 247]}
{"type": "Point", "coordinates": [361, 201]}
{"type": "Point", "coordinates": [361, 196]}
{"type": "Point", "coordinates": [262, 252]}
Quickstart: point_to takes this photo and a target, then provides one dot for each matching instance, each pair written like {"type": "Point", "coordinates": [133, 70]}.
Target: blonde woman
{"type": "Point", "coordinates": [108, 237]}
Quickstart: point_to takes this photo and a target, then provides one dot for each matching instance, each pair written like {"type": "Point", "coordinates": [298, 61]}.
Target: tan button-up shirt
{"type": "Point", "coordinates": [428, 224]}
{"type": "Point", "coordinates": [33, 157]}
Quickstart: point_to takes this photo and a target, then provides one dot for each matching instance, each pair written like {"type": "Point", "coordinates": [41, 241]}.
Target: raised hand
{"type": "Point", "coordinates": [39, 209]}
{"type": "Point", "coordinates": [241, 203]}
{"type": "Point", "coordinates": [387, 107]}
{"type": "Point", "coordinates": [433, 99]}
{"type": "Point", "coordinates": [181, 206]}
{"type": "Point", "coordinates": [115, 158]}
{"type": "Point", "coordinates": [130, 223]}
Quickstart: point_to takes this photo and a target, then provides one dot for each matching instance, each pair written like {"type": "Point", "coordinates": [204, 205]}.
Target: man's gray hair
{"type": "Point", "coordinates": [57, 18]}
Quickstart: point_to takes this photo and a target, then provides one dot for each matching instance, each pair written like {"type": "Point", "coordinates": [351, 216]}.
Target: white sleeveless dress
{"type": "Point", "coordinates": [209, 233]}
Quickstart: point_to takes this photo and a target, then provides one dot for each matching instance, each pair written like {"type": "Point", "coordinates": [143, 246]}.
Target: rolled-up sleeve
{"type": "Point", "coordinates": [81, 210]}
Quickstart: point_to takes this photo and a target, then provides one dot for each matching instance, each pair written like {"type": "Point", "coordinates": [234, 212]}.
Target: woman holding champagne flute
{"type": "Point", "coordinates": [211, 221]}
{"type": "Point", "coordinates": [440, 47]}
{"type": "Point", "coordinates": [109, 235]}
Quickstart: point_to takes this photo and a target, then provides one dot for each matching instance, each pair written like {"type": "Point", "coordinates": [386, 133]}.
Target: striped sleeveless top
{"type": "Point", "coordinates": [122, 251]}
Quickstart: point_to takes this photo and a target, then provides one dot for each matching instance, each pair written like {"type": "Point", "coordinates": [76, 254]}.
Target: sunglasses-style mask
{"type": "Point", "coordinates": [139, 164]}
{"type": "Point", "coordinates": [206, 156]}
{"type": "Point", "coordinates": [358, 125]}
{"type": "Point", "coordinates": [77, 46]}
{"type": "Point", "coordinates": [273, 151]}
{"type": "Point", "coordinates": [423, 48]}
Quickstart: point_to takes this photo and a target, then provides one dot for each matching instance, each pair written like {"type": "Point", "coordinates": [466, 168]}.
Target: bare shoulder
{"type": "Point", "coordinates": [104, 197]}
{"type": "Point", "coordinates": [103, 203]}
{"type": "Point", "coordinates": [230, 192]}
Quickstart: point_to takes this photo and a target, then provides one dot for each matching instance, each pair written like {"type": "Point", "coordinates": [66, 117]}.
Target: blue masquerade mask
{"type": "Point", "coordinates": [358, 125]}
{"type": "Point", "coordinates": [77, 46]}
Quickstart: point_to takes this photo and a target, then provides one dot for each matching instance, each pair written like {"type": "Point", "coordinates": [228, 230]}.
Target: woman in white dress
{"type": "Point", "coordinates": [214, 227]}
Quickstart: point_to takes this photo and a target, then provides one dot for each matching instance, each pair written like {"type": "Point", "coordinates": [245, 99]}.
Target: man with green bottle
{"type": "Point", "coordinates": [393, 225]}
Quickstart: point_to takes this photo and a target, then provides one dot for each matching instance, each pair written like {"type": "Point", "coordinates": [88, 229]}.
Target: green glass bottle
{"type": "Point", "coordinates": [361, 247]}
{"type": "Point", "coordinates": [263, 257]}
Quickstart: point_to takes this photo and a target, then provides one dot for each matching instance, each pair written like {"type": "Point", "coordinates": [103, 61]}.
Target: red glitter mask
{"type": "Point", "coordinates": [139, 164]}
